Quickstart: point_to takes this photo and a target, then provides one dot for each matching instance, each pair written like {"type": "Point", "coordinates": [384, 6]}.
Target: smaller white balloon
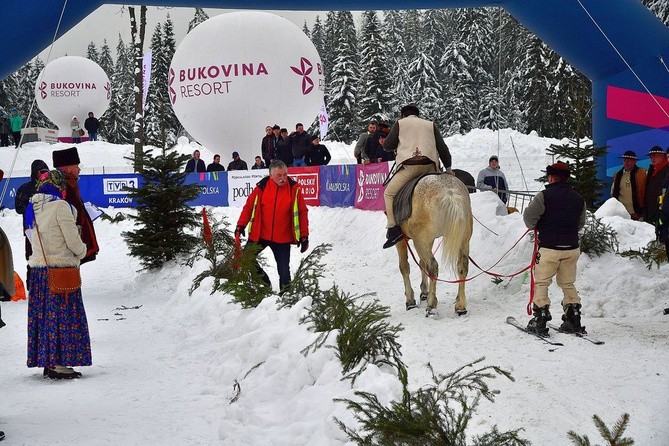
{"type": "Point", "coordinates": [72, 86]}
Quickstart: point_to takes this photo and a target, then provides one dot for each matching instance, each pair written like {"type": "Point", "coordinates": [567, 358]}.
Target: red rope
{"type": "Point", "coordinates": [534, 257]}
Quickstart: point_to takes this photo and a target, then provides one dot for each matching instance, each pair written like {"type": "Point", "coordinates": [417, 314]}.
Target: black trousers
{"type": "Point", "coordinates": [281, 253]}
{"type": "Point", "coordinates": [17, 138]}
{"type": "Point", "coordinates": [4, 139]}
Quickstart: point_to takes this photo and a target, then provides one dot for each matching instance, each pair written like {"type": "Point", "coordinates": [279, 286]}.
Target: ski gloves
{"type": "Point", "coordinates": [241, 231]}
{"type": "Point", "coordinates": [304, 242]}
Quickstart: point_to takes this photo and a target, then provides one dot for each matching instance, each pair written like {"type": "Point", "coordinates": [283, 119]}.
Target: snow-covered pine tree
{"type": "Point", "coordinates": [328, 55]}
{"type": "Point", "coordinates": [172, 124]}
{"type": "Point", "coordinates": [413, 31]}
{"type": "Point", "coordinates": [539, 75]}
{"type": "Point", "coordinates": [573, 103]}
{"type": "Point", "coordinates": [660, 8]}
{"type": "Point", "coordinates": [428, 90]}
{"type": "Point", "coordinates": [163, 215]}
{"type": "Point", "coordinates": [458, 88]}
{"type": "Point", "coordinates": [199, 17]}
{"type": "Point", "coordinates": [305, 29]}
{"type": "Point", "coordinates": [424, 71]}
{"type": "Point", "coordinates": [374, 97]}
{"type": "Point", "coordinates": [162, 125]}
{"type": "Point", "coordinates": [92, 52]}
{"type": "Point", "coordinates": [515, 38]}
{"type": "Point", "coordinates": [481, 36]}
{"type": "Point", "coordinates": [318, 39]}
{"type": "Point", "coordinates": [20, 90]}
{"type": "Point", "coordinates": [401, 88]}
{"type": "Point", "coordinates": [38, 119]}
{"type": "Point", "coordinates": [345, 80]}
{"type": "Point", "coordinates": [153, 123]}
{"type": "Point", "coordinates": [116, 123]}
{"type": "Point", "coordinates": [105, 60]}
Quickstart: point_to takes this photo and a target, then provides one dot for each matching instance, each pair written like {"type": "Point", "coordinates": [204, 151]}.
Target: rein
{"type": "Point", "coordinates": [488, 271]}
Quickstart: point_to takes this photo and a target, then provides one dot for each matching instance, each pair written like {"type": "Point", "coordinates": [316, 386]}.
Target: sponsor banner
{"type": "Point", "coordinates": [307, 177]}
{"type": "Point", "coordinates": [369, 186]}
{"type": "Point", "coordinates": [213, 188]}
{"type": "Point", "coordinates": [10, 194]}
{"type": "Point", "coordinates": [337, 185]}
{"type": "Point", "coordinates": [108, 190]}
{"type": "Point", "coordinates": [241, 184]}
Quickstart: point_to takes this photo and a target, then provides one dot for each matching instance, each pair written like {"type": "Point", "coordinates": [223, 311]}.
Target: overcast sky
{"type": "Point", "coordinates": [110, 20]}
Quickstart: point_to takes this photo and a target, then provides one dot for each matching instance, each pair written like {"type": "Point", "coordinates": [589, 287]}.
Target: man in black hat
{"type": "Point", "coordinates": [237, 163]}
{"type": "Point", "coordinates": [67, 161]}
{"type": "Point", "coordinates": [557, 213]}
{"type": "Point", "coordinates": [23, 195]}
{"type": "Point", "coordinates": [629, 185]}
{"type": "Point", "coordinates": [657, 172]}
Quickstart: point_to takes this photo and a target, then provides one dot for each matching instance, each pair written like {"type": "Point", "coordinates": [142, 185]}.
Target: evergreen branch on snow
{"type": "Point", "coordinates": [305, 281]}
{"type": "Point", "coordinates": [436, 414]}
{"type": "Point", "coordinates": [652, 254]}
{"type": "Point", "coordinates": [596, 237]}
{"type": "Point", "coordinates": [612, 437]}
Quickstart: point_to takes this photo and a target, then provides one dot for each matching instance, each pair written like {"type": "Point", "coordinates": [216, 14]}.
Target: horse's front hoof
{"type": "Point", "coordinates": [423, 297]}
{"type": "Point", "coordinates": [411, 305]}
{"type": "Point", "coordinates": [431, 312]}
{"type": "Point", "coordinates": [460, 312]}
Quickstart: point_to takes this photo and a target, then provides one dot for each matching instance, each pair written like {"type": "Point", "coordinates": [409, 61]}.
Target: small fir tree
{"type": "Point", "coordinates": [583, 168]}
{"type": "Point", "coordinates": [163, 215]}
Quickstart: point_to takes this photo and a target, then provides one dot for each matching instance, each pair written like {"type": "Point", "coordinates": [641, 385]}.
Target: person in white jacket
{"type": "Point", "coordinates": [58, 337]}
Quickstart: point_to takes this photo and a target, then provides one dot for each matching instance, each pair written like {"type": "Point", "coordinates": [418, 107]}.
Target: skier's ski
{"type": "Point", "coordinates": [512, 321]}
{"type": "Point", "coordinates": [585, 336]}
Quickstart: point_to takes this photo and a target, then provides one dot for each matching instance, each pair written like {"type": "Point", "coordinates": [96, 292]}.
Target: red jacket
{"type": "Point", "coordinates": [277, 214]}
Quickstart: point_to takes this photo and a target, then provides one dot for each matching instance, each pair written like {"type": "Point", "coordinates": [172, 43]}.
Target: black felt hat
{"type": "Point", "coordinates": [65, 157]}
{"type": "Point", "coordinates": [656, 150]}
{"type": "Point", "coordinates": [630, 154]}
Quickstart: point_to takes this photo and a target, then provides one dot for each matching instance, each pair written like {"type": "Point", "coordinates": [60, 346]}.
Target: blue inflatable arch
{"type": "Point", "coordinates": [619, 44]}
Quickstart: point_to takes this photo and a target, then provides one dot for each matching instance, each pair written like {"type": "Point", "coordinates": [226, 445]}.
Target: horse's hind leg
{"type": "Point", "coordinates": [403, 256]}
{"type": "Point", "coordinates": [423, 281]}
{"type": "Point", "coordinates": [430, 270]}
{"type": "Point", "coordinates": [463, 270]}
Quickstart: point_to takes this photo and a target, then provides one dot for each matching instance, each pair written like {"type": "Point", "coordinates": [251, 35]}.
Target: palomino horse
{"type": "Point", "coordinates": [440, 207]}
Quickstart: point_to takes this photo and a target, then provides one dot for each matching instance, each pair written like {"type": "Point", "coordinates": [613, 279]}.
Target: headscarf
{"type": "Point", "coordinates": [49, 183]}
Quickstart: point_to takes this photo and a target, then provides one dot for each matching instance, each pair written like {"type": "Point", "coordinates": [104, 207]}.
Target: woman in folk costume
{"type": "Point", "coordinates": [67, 161]}
{"type": "Point", "coordinates": [58, 336]}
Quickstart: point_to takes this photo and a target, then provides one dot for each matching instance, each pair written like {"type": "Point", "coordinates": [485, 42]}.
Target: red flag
{"type": "Point", "coordinates": [208, 236]}
{"type": "Point", "coordinates": [237, 253]}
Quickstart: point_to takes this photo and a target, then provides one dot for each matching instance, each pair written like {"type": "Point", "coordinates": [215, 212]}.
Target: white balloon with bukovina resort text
{"type": "Point", "coordinates": [237, 73]}
{"type": "Point", "coordinates": [72, 86]}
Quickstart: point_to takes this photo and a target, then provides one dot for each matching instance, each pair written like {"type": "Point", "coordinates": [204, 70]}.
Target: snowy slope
{"type": "Point", "coordinates": [164, 373]}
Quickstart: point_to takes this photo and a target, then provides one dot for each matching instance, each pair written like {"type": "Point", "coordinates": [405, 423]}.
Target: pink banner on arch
{"type": "Point", "coordinates": [369, 186]}
{"type": "Point", "coordinates": [637, 107]}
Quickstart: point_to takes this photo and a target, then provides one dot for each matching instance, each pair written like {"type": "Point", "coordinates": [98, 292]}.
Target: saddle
{"type": "Point", "coordinates": [402, 202]}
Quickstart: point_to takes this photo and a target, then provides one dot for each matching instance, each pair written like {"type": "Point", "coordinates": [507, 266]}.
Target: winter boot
{"type": "Point", "coordinates": [393, 235]}
{"type": "Point", "coordinates": [538, 323]}
{"type": "Point", "coordinates": [572, 319]}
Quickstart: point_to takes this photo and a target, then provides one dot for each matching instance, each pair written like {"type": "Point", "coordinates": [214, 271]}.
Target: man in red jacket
{"type": "Point", "coordinates": [277, 217]}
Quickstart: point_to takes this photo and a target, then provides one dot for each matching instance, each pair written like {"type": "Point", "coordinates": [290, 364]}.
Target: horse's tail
{"type": "Point", "coordinates": [457, 230]}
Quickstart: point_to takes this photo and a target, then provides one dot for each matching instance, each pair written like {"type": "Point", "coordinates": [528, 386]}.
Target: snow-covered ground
{"type": "Point", "coordinates": [164, 373]}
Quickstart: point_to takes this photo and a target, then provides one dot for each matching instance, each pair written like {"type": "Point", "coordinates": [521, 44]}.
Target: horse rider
{"type": "Point", "coordinates": [419, 147]}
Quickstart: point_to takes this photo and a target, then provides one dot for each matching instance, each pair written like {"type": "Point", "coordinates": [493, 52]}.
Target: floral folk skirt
{"type": "Point", "coordinates": [57, 327]}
